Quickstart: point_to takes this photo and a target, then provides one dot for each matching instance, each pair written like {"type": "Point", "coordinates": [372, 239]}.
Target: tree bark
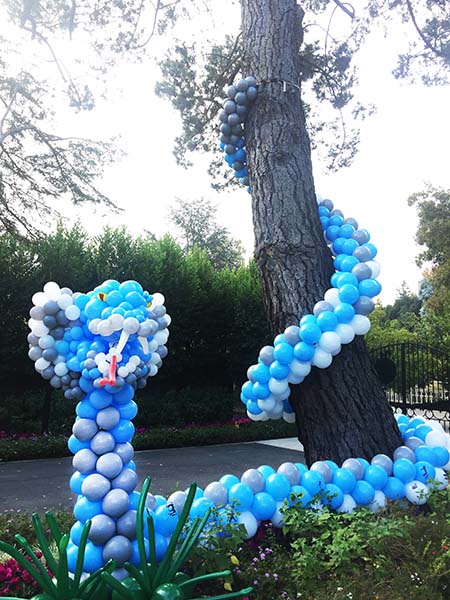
{"type": "Point", "coordinates": [340, 411]}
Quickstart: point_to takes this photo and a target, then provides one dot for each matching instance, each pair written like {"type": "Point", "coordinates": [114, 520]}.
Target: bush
{"type": "Point", "coordinates": [180, 407]}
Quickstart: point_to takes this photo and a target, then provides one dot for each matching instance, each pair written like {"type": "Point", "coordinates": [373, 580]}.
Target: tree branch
{"type": "Point", "coordinates": [344, 6]}
{"type": "Point", "coordinates": [422, 36]}
{"type": "Point", "coordinates": [8, 108]}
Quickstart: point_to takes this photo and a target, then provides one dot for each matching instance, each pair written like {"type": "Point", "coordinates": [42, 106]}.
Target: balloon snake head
{"type": "Point", "coordinates": [112, 335]}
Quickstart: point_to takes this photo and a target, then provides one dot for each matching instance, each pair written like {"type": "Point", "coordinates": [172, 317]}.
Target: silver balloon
{"type": "Point", "coordinates": [354, 466]}
{"type": "Point", "coordinates": [103, 442]}
{"type": "Point", "coordinates": [118, 549]}
{"type": "Point", "coordinates": [413, 442]}
{"type": "Point", "coordinates": [125, 451]}
{"type": "Point", "coordinates": [84, 461]}
{"type": "Point", "coordinates": [102, 529]}
{"type": "Point", "coordinates": [178, 500]}
{"type": "Point", "coordinates": [266, 355]}
{"type": "Point", "coordinates": [254, 479]}
{"type": "Point", "coordinates": [95, 487]}
{"type": "Point", "coordinates": [127, 480]}
{"type": "Point", "coordinates": [362, 271]}
{"type": "Point", "coordinates": [126, 524]}
{"type": "Point", "coordinates": [108, 417]}
{"type": "Point", "coordinates": [322, 306]}
{"type": "Point", "coordinates": [364, 305]}
{"type": "Point", "coordinates": [292, 334]}
{"type": "Point", "coordinates": [109, 465]}
{"type": "Point", "coordinates": [362, 253]}
{"type": "Point", "coordinates": [84, 429]}
{"type": "Point", "coordinates": [384, 461]}
{"type": "Point", "coordinates": [217, 493]}
{"type": "Point", "coordinates": [116, 503]}
{"type": "Point", "coordinates": [404, 452]}
{"type": "Point", "coordinates": [290, 471]}
{"type": "Point", "coordinates": [321, 467]}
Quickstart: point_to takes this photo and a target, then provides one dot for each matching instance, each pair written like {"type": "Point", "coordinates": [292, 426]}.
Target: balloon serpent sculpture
{"type": "Point", "coordinates": [101, 346]}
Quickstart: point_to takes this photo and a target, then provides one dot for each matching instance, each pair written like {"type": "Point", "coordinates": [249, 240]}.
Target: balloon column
{"type": "Point", "coordinates": [99, 348]}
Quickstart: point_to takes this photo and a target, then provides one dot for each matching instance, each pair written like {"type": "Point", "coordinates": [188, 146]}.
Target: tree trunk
{"type": "Point", "coordinates": [340, 411]}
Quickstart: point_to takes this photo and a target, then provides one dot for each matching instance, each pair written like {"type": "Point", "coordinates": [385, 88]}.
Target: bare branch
{"type": "Point", "coordinates": [8, 108]}
{"type": "Point", "coordinates": [422, 36]}
{"type": "Point", "coordinates": [345, 7]}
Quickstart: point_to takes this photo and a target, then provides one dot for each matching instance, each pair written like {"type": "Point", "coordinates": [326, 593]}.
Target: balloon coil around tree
{"type": "Point", "coordinates": [101, 346]}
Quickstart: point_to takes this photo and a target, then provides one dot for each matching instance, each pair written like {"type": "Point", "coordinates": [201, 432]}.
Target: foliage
{"type": "Point", "coordinates": [54, 579]}
{"type": "Point", "coordinates": [399, 554]}
{"type": "Point", "coordinates": [210, 334]}
{"type": "Point", "coordinates": [199, 229]}
{"type": "Point", "coordinates": [153, 581]}
{"type": "Point", "coordinates": [13, 522]}
{"type": "Point", "coordinates": [14, 579]}
{"type": "Point", "coordinates": [17, 448]}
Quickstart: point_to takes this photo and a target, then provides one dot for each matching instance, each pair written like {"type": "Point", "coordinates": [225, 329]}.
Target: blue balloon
{"type": "Point", "coordinates": [283, 353]}
{"type": "Point", "coordinates": [424, 453]}
{"type": "Point", "coordinates": [241, 496]}
{"type": "Point", "coordinates": [201, 506]}
{"type": "Point", "coordinates": [441, 456]}
{"type": "Point", "coordinates": [344, 312]}
{"type": "Point", "coordinates": [76, 481]}
{"type": "Point", "coordinates": [333, 496]}
{"type": "Point", "coordinates": [303, 351]}
{"type": "Point", "coordinates": [229, 480]}
{"type": "Point", "coordinates": [278, 486]}
{"type": "Point", "coordinates": [348, 293]}
{"type": "Point", "coordinates": [123, 431]}
{"type": "Point", "coordinates": [263, 506]}
{"type": "Point", "coordinates": [422, 431]}
{"type": "Point", "coordinates": [369, 287]}
{"type": "Point", "coordinates": [299, 496]}
{"type": "Point", "coordinates": [345, 480]}
{"type": "Point", "coordinates": [327, 321]}
{"type": "Point", "coordinates": [363, 493]}
{"type": "Point", "coordinates": [346, 231]}
{"type": "Point", "coordinates": [166, 519]}
{"type": "Point", "coordinates": [278, 370]}
{"type": "Point", "coordinates": [266, 470]}
{"type": "Point", "coordinates": [310, 333]}
{"type": "Point", "coordinates": [425, 471]}
{"type": "Point", "coordinates": [261, 373]}
{"type": "Point", "coordinates": [86, 509]}
{"type": "Point", "coordinates": [394, 489]}
{"type": "Point", "coordinates": [75, 532]}
{"type": "Point", "coordinates": [404, 470]}
{"type": "Point", "coordinates": [376, 476]}
{"type": "Point", "coordinates": [313, 482]}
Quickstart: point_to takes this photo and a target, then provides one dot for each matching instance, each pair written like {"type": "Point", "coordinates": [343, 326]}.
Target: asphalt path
{"type": "Point", "coordinates": [39, 485]}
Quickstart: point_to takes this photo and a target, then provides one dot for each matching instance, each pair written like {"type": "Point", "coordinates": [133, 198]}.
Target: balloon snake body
{"type": "Point", "coordinates": [100, 347]}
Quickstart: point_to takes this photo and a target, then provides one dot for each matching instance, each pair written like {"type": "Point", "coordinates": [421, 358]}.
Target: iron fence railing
{"type": "Point", "coordinates": [416, 379]}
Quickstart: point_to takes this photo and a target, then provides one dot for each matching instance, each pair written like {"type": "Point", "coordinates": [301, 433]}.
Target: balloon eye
{"type": "Point", "coordinates": [102, 296]}
{"type": "Point", "coordinates": [149, 304]}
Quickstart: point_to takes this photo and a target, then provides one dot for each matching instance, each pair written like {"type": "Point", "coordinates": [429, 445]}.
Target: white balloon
{"type": "Point", "coordinates": [52, 290]}
{"type": "Point", "coordinates": [374, 267]}
{"type": "Point", "coordinates": [277, 518]}
{"type": "Point", "coordinates": [330, 342]}
{"type": "Point", "coordinates": [104, 328]}
{"type": "Point", "coordinates": [332, 296]}
{"type": "Point", "coordinates": [123, 372]}
{"type": "Point", "coordinates": [93, 326]}
{"type": "Point", "coordinates": [72, 312]}
{"type": "Point", "coordinates": [40, 329]}
{"type": "Point", "coordinates": [278, 387]}
{"type": "Point", "coordinates": [157, 299]}
{"type": "Point", "coordinates": [168, 319]}
{"type": "Point", "coordinates": [39, 299]}
{"type": "Point", "coordinates": [321, 358]}
{"type": "Point", "coordinates": [248, 520]}
{"type": "Point", "coordinates": [41, 364]}
{"type": "Point", "coordinates": [435, 438]}
{"type": "Point", "coordinates": [46, 341]}
{"type": "Point", "coordinates": [130, 325]}
{"type": "Point", "coordinates": [153, 345]}
{"type": "Point", "coordinates": [276, 413]}
{"type": "Point", "coordinates": [64, 301]}
{"type": "Point", "coordinates": [259, 417]}
{"type": "Point", "coordinates": [116, 321]}
{"type": "Point", "coordinates": [416, 492]}
{"type": "Point", "coordinates": [103, 367]}
{"type": "Point", "coordinates": [61, 369]}
{"type": "Point", "coordinates": [267, 403]}
{"type": "Point", "coordinates": [378, 502]}
{"type": "Point", "coordinates": [152, 369]}
{"type": "Point", "coordinates": [440, 480]}
{"type": "Point", "coordinates": [345, 332]}
{"type": "Point", "coordinates": [289, 417]}
{"type": "Point", "coordinates": [360, 324]}
{"type": "Point", "coordinates": [295, 380]}
{"type": "Point", "coordinates": [348, 505]}
{"type": "Point", "coordinates": [300, 368]}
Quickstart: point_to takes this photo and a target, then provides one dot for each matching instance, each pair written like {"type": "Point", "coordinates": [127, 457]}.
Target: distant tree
{"type": "Point", "coordinates": [406, 308]}
{"type": "Point", "coordinates": [198, 228]}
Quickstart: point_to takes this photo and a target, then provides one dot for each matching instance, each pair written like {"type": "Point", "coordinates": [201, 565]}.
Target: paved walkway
{"type": "Point", "coordinates": [44, 484]}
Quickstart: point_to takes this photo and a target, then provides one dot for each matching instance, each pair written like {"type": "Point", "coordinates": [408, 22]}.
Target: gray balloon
{"type": "Point", "coordinates": [95, 487]}
{"type": "Point", "coordinates": [118, 548]}
{"type": "Point", "coordinates": [162, 351]}
{"type": "Point", "coordinates": [327, 203]}
{"type": "Point", "coordinates": [61, 318]}
{"type": "Point", "coordinates": [251, 81]}
{"type": "Point", "coordinates": [217, 493]}
{"type": "Point", "coordinates": [414, 442]}
{"type": "Point", "coordinates": [223, 116]}
{"type": "Point", "coordinates": [266, 355]}
{"type": "Point", "coordinates": [55, 382]}
{"type": "Point", "coordinates": [241, 110]}
{"type": "Point", "coordinates": [404, 452]}
{"type": "Point", "coordinates": [159, 310]}
{"type": "Point", "coordinates": [120, 574]}
{"type": "Point", "coordinates": [32, 339]}
{"type": "Point", "coordinates": [102, 529]}
{"type": "Point", "coordinates": [229, 106]}
{"type": "Point", "coordinates": [126, 525]}
{"type": "Point", "coordinates": [337, 212]}
{"type": "Point", "coordinates": [103, 442]}
{"type": "Point", "coordinates": [48, 373]}
{"type": "Point", "coordinates": [364, 305]}
{"type": "Point", "coordinates": [252, 92]}
{"type": "Point", "coordinates": [107, 418]}
{"type": "Point", "coordinates": [321, 467]}
{"type": "Point", "coordinates": [116, 503]}
{"type": "Point", "coordinates": [125, 451]}
{"type": "Point", "coordinates": [57, 333]}
{"type": "Point", "coordinates": [254, 479]}
{"type": "Point", "coordinates": [322, 306]}
{"type": "Point", "coordinates": [351, 221]}
{"type": "Point", "coordinates": [290, 471]}
{"type": "Point", "coordinates": [84, 429]}
{"type": "Point", "coordinates": [50, 321]}
{"type": "Point", "coordinates": [242, 85]}
{"type": "Point", "coordinates": [360, 236]}
{"type": "Point", "coordinates": [292, 334]}
{"type": "Point", "coordinates": [354, 466]}
{"type": "Point", "coordinates": [34, 353]}
{"type": "Point", "coordinates": [231, 91]}
{"type": "Point", "coordinates": [384, 461]}
{"type": "Point", "coordinates": [84, 461]}
{"type": "Point", "coordinates": [66, 379]}
{"type": "Point", "coordinates": [362, 271]}
{"type": "Point", "coordinates": [37, 312]}
{"type": "Point", "coordinates": [90, 363]}
{"type": "Point", "coordinates": [362, 253]}
{"type": "Point", "coordinates": [234, 119]}
{"type": "Point", "coordinates": [151, 502]}
{"type": "Point", "coordinates": [178, 499]}
{"type": "Point", "coordinates": [51, 307]}
{"type": "Point", "coordinates": [109, 465]}
{"type": "Point", "coordinates": [49, 354]}
{"type": "Point", "coordinates": [127, 480]}
{"type": "Point", "coordinates": [66, 290]}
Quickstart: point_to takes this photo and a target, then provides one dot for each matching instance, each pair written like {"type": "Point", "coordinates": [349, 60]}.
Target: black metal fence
{"type": "Point", "coordinates": [416, 379]}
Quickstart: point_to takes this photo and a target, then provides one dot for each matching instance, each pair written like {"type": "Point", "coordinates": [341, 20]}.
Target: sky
{"type": "Point", "coordinates": [403, 146]}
